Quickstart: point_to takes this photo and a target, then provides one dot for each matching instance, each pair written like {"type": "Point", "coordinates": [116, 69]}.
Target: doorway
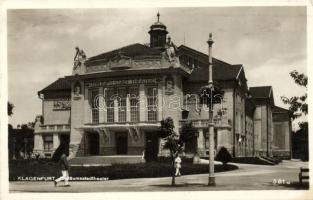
{"type": "Point", "coordinates": [93, 143]}
{"type": "Point", "coordinates": [121, 143]}
{"type": "Point", "coordinates": [191, 146]}
{"type": "Point", "coordinates": [152, 147]}
{"type": "Point", "coordinates": [64, 139]}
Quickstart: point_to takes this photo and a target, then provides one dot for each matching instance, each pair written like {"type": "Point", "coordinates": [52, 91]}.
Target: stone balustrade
{"type": "Point", "coordinates": [53, 128]}
{"type": "Point", "coordinates": [197, 123]}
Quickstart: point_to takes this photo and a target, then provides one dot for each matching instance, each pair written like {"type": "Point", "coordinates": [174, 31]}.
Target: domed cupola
{"type": "Point", "coordinates": [158, 34]}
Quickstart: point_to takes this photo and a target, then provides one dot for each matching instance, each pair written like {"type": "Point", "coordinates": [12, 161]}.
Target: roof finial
{"type": "Point", "coordinates": [210, 41]}
{"type": "Point", "coordinates": [158, 15]}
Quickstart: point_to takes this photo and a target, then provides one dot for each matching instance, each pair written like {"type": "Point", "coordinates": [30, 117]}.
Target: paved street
{"type": "Point", "coordinates": [247, 177]}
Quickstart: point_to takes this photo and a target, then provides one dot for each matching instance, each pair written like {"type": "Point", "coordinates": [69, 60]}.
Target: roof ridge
{"type": "Point", "coordinates": [57, 81]}
{"type": "Point", "coordinates": [117, 49]}
{"type": "Point", "coordinates": [218, 60]}
{"type": "Point", "coordinates": [132, 50]}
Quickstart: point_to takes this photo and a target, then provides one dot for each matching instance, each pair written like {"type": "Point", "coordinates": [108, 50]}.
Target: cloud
{"type": "Point", "coordinates": [275, 72]}
{"type": "Point", "coordinates": [269, 42]}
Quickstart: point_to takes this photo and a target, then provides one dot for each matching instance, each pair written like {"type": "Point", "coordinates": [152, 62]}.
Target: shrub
{"type": "Point", "coordinates": [223, 155]}
{"type": "Point", "coordinates": [48, 168]}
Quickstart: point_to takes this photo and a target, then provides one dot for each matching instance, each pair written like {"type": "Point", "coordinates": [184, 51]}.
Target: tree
{"type": "Point", "coordinates": [173, 141]}
{"type": "Point", "coordinates": [188, 134]}
{"type": "Point", "coordinates": [10, 132]}
{"type": "Point", "coordinates": [10, 108]}
{"type": "Point", "coordinates": [300, 148]}
{"type": "Point", "coordinates": [223, 155]}
{"type": "Point", "coordinates": [298, 107]}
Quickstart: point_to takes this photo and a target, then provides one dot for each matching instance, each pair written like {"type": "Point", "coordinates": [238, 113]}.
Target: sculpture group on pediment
{"type": "Point", "coordinates": [171, 51]}
{"type": "Point", "coordinates": [79, 58]}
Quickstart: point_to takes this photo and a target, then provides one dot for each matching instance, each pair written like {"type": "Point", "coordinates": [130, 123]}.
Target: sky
{"type": "Point", "coordinates": [269, 42]}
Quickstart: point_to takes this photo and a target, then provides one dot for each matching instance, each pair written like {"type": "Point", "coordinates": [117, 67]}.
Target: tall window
{"type": "Point", "coordinates": [134, 103]}
{"type": "Point", "coordinates": [152, 103]}
{"type": "Point", "coordinates": [242, 125]}
{"type": "Point", "coordinates": [110, 104]}
{"type": "Point", "coordinates": [237, 123]}
{"type": "Point", "coordinates": [121, 98]}
{"type": "Point", "coordinates": [48, 142]}
{"type": "Point", "coordinates": [94, 105]}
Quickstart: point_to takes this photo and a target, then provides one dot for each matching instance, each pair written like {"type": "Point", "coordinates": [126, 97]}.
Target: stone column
{"type": "Point", "coordinates": [100, 105]}
{"type": "Point", "coordinates": [127, 108]}
{"type": "Point", "coordinates": [200, 143]}
{"type": "Point", "coordinates": [223, 140]}
{"type": "Point", "coordinates": [38, 143]}
{"type": "Point", "coordinates": [104, 107]}
{"type": "Point", "coordinates": [142, 103]}
{"type": "Point", "coordinates": [101, 143]}
{"type": "Point", "coordinates": [87, 108]}
{"type": "Point", "coordinates": [56, 141]}
{"type": "Point", "coordinates": [160, 101]}
{"type": "Point", "coordinates": [115, 110]}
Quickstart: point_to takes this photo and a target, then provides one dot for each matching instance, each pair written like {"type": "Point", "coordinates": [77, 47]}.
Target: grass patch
{"type": "Point", "coordinates": [37, 168]}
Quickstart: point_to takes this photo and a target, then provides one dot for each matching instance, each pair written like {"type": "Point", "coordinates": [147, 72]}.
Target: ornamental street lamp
{"type": "Point", "coordinates": [211, 95]}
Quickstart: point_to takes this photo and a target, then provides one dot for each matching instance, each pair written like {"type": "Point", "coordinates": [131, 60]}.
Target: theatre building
{"type": "Point", "coordinates": [112, 104]}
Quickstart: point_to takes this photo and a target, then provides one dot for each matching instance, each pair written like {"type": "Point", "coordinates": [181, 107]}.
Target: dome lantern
{"type": "Point", "coordinates": [158, 34]}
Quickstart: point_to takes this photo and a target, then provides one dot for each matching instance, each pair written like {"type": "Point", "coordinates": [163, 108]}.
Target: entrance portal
{"type": "Point", "coordinates": [64, 140]}
{"type": "Point", "coordinates": [191, 146]}
{"type": "Point", "coordinates": [152, 147]}
{"type": "Point", "coordinates": [93, 143]}
{"type": "Point", "coordinates": [121, 143]}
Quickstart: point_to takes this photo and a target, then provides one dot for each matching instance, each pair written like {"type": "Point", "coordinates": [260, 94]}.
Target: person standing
{"type": "Point", "coordinates": [177, 165]}
{"type": "Point", "coordinates": [64, 166]}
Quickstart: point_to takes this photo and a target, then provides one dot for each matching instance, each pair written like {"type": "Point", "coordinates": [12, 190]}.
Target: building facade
{"type": "Point", "coordinates": [113, 103]}
{"type": "Point", "coordinates": [282, 133]}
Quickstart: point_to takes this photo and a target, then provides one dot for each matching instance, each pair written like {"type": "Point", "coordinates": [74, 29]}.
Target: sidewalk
{"type": "Point", "coordinates": [247, 177]}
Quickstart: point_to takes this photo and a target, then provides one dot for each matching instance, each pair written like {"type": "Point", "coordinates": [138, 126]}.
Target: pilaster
{"type": "Point", "coordinates": [38, 143]}
{"type": "Point", "coordinates": [142, 103]}
{"type": "Point", "coordinates": [160, 101]}
{"type": "Point", "coordinates": [200, 143]}
{"type": "Point", "coordinates": [56, 141]}
{"type": "Point", "coordinates": [101, 105]}
{"type": "Point", "coordinates": [127, 108]}
{"type": "Point", "coordinates": [87, 108]}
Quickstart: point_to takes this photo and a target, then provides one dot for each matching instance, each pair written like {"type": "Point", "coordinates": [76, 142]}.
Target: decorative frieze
{"type": "Point", "coordinates": [96, 68]}
{"type": "Point", "coordinates": [124, 64]}
{"type": "Point", "coordinates": [138, 81]}
{"type": "Point", "coordinates": [62, 104]}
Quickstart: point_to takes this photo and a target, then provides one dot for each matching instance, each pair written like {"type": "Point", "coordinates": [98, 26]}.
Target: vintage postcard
{"type": "Point", "coordinates": [185, 100]}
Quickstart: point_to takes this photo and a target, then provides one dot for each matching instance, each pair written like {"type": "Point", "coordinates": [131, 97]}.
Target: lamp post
{"type": "Point", "coordinates": [210, 95]}
{"type": "Point", "coordinates": [211, 123]}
